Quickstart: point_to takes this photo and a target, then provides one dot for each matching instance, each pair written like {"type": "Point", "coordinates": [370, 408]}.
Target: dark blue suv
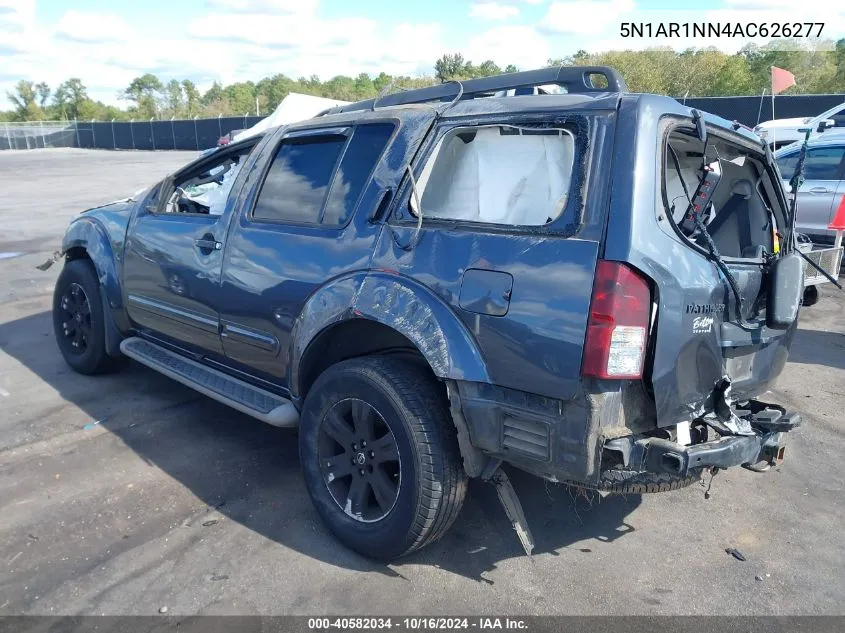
{"type": "Point", "coordinates": [586, 284]}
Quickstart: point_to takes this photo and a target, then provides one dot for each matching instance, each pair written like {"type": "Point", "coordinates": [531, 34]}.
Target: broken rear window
{"type": "Point", "coordinates": [740, 217]}
{"type": "Point", "coordinates": [498, 174]}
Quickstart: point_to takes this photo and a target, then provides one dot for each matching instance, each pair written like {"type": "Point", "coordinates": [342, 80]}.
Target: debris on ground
{"type": "Point", "coordinates": [91, 425]}
{"type": "Point", "coordinates": [217, 577]}
{"type": "Point", "coordinates": [758, 578]}
{"type": "Point", "coordinates": [56, 256]}
{"type": "Point", "coordinates": [162, 610]}
{"type": "Point", "coordinates": [735, 553]}
{"type": "Point", "coordinates": [209, 523]}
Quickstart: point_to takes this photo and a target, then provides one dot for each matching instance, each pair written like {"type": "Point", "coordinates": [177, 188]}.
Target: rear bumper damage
{"type": "Point", "coordinates": [603, 430]}
{"type": "Point", "coordinates": [766, 444]}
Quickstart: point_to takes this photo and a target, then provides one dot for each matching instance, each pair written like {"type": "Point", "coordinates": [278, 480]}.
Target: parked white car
{"type": "Point", "coordinates": [780, 132]}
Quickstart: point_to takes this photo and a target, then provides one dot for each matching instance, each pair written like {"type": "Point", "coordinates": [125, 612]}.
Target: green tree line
{"type": "Point", "coordinates": [692, 72]}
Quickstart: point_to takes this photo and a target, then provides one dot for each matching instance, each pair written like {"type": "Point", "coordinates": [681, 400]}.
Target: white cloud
{"type": "Point", "coordinates": [769, 5]}
{"type": "Point", "coordinates": [229, 45]}
{"type": "Point", "coordinates": [17, 13]}
{"type": "Point", "coordinates": [492, 11]}
{"type": "Point", "coordinates": [584, 17]}
{"type": "Point", "coordinates": [93, 27]}
{"type": "Point", "coordinates": [240, 40]}
{"type": "Point", "coordinates": [265, 6]}
{"type": "Point", "coordinates": [280, 31]}
{"type": "Point", "coordinates": [520, 45]}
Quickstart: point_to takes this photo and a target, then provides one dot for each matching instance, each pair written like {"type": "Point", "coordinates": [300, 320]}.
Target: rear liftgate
{"type": "Point", "coordinates": [739, 336]}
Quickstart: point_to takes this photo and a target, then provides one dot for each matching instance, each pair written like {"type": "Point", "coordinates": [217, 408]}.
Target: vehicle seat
{"type": "Point", "coordinates": [742, 221]}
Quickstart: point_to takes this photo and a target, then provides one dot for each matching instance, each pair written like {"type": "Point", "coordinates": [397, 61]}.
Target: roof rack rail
{"type": "Point", "coordinates": [575, 79]}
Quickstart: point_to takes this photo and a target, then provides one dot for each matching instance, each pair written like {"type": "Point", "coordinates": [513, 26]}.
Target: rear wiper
{"type": "Point", "coordinates": [694, 215]}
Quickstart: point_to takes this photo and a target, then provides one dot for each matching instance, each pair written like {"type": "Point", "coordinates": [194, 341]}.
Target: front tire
{"type": "Point", "coordinates": [78, 320]}
{"type": "Point", "coordinates": [380, 456]}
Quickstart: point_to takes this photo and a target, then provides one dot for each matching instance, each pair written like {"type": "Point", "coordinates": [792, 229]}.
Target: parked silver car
{"type": "Point", "coordinates": [824, 182]}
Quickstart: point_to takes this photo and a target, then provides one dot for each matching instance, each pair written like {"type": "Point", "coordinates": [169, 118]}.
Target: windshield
{"type": "Point", "coordinates": [829, 113]}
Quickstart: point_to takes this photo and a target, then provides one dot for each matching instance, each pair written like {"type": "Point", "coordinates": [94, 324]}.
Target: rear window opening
{"type": "Point", "coordinates": [741, 218]}
{"type": "Point", "coordinates": [498, 174]}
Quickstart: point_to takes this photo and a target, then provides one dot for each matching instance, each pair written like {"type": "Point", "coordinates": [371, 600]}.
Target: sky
{"type": "Point", "coordinates": [107, 45]}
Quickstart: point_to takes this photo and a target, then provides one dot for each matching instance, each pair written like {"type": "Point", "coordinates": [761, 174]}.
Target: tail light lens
{"type": "Point", "coordinates": [617, 328]}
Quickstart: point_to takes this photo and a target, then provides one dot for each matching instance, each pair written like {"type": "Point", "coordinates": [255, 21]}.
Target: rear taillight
{"type": "Point", "coordinates": [617, 329]}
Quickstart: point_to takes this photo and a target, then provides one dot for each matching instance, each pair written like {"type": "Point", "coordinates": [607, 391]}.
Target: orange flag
{"type": "Point", "coordinates": [781, 80]}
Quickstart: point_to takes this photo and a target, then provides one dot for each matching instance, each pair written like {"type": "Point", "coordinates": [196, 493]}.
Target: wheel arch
{"type": "Point", "coordinates": [384, 311]}
{"type": "Point", "coordinates": [88, 239]}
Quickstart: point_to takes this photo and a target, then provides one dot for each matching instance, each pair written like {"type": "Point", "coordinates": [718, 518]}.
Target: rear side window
{"type": "Point", "coordinates": [498, 174]}
{"type": "Point", "coordinates": [787, 165]}
{"type": "Point", "coordinates": [359, 160]}
{"type": "Point", "coordinates": [298, 180]}
{"type": "Point", "coordinates": [822, 163]}
{"type": "Point", "coordinates": [319, 180]}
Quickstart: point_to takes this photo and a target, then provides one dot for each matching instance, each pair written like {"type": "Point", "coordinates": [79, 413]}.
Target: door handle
{"type": "Point", "coordinates": [208, 244]}
{"type": "Point", "coordinates": [820, 190]}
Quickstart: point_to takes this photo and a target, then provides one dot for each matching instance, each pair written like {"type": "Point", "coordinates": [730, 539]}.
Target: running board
{"type": "Point", "coordinates": [258, 403]}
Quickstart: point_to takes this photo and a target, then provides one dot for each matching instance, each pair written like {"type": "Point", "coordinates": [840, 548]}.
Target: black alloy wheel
{"type": "Point", "coordinates": [359, 459]}
{"type": "Point", "coordinates": [380, 456]}
{"type": "Point", "coordinates": [76, 318]}
{"type": "Point", "coordinates": [79, 320]}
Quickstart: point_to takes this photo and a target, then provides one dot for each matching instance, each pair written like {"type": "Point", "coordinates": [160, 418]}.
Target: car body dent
{"type": "Point", "coordinates": [400, 303]}
{"type": "Point", "coordinates": [687, 365]}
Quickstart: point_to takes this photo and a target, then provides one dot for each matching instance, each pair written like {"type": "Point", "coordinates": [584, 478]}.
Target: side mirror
{"type": "Point", "coordinates": [826, 123]}
{"type": "Point", "coordinates": [785, 291]}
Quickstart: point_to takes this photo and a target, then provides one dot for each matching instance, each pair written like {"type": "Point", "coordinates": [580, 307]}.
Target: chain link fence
{"type": "Point", "coordinates": [35, 134]}
{"type": "Point", "coordinates": [182, 134]}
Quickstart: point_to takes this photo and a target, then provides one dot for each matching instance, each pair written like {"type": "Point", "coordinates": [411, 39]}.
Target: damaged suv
{"type": "Point", "coordinates": [590, 285]}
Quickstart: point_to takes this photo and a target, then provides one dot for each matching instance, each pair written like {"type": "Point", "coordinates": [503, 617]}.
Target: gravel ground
{"type": "Point", "coordinates": [122, 494]}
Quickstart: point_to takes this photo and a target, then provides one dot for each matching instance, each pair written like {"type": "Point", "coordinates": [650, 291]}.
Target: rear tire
{"type": "Point", "coordinates": [428, 482]}
{"type": "Point", "coordinates": [78, 320]}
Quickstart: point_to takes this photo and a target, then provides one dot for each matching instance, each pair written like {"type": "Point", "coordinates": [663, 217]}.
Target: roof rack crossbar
{"type": "Point", "coordinates": [575, 79]}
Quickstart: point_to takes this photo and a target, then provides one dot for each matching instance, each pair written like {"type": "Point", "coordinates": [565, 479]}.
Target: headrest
{"type": "Point", "coordinates": [742, 188]}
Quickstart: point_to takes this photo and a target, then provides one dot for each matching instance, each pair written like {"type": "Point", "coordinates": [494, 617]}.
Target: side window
{"type": "Point", "coordinates": [205, 190]}
{"type": "Point", "coordinates": [359, 160]}
{"type": "Point", "coordinates": [498, 174]}
{"type": "Point", "coordinates": [787, 165]}
{"type": "Point", "coordinates": [297, 181]}
{"type": "Point", "coordinates": [823, 163]}
{"type": "Point", "coordinates": [302, 176]}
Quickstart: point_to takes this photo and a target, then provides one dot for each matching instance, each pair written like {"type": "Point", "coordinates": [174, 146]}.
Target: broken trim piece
{"type": "Point", "coordinates": [513, 508]}
{"type": "Point", "coordinates": [474, 460]}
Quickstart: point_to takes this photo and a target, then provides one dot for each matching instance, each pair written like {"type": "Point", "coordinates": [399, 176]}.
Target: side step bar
{"type": "Point", "coordinates": [259, 403]}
